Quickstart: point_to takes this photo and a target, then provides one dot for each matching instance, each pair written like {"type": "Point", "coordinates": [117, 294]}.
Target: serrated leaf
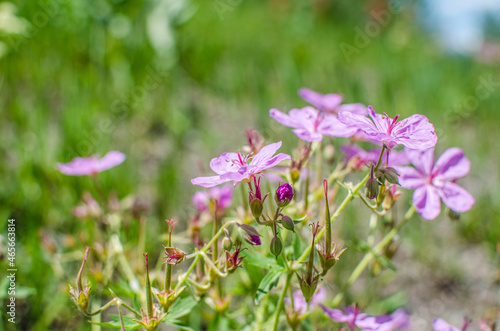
{"type": "Point", "coordinates": [267, 283]}
{"type": "Point", "coordinates": [180, 308]}
{"type": "Point", "coordinates": [129, 323]}
{"type": "Point", "coordinates": [261, 261]}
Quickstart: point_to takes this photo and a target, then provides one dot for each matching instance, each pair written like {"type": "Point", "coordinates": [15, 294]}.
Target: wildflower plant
{"type": "Point", "coordinates": [251, 263]}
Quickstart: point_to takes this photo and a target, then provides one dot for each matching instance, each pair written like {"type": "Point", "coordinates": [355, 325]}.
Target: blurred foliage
{"type": "Point", "coordinates": [172, 83]}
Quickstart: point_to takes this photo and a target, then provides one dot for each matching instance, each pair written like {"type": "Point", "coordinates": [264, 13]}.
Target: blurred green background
{"type": "Point", "coordinates": [173, 83]}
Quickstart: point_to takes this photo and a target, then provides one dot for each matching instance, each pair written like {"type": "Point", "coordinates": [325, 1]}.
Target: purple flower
{"type": "Point", "coordinates": [415, 132]}
{"type": "Point", "coordinates": [236, 167]}
{"type": "Point", "coordinates": [354, 318]}
{"type": "Point", "coordinates": [284, 195]}
{"type": "Point", "coordinates": [434, 182]}
{"type": "Point", "coordinates": [81, 166]}
{"type": "Point", "coordinates": [311, 124]}
{"type": "Point", "coordinates": [300, 304]}
{"type": "Point", "coordinates": [330, 103]}
{"type": "Point", "coordinates": [441, 325]}
{"type": "Point", "coordinates": [359, 157]}
{"type": "Point", "coordinates": [398, 320]}
{"type": "Point", "coordinates": [203, 199]}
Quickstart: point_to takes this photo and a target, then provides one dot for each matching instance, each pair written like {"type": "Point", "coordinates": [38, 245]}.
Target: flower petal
{"type": "Point", "coordinates": [307, 135]}
{"type": "Point", "coordinates": [452, 164]}
{"type": "Point", "coordinates": [355, 108]}
{"type": "Point", "coordinates": [441, 325]}
{"type": "Point", "coordinates": [283, 118]}
{"type": "Point", "coordinates": [331, 126]}
{"type": "Point", "coordinates": [265, 153]}
{"type": "Point", "coordinates": [423, 160]}
{"type": "Point", "coordinates": [427, 202]}
{"type": "Point", "coordinates": [455, 197]}
{"type": "Point", "coordinates": [224, 163]}
{"type": "Point", "coordinates": [209, 181]}
{"type": "Point", "coordinates": [358, 121]}
{"type": "Point", "coordinates": [410, 178]}
{"type": "Point", "coordinates": [110, 160]}
{"type": "Point", "coordinates": [326, 102]}
{"type": "Point", "coordinates": [335, 314]}
{"type": "Point", "coordinates": [415, 132]}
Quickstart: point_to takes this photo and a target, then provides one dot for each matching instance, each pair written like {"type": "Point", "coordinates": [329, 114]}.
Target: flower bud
{"type": "Point", "coordinates": [388, 173]}
{"type": "Point", "coordinates": [288, 223]}
{"type": "Point", "coordinates": [227, 243]}
{"type": "Point", "coordinates": [284, 195]}
{"type": "Point", "coordinates": [294, 175]}
{"type": "Point", "coordinates": [276, 246]}
{"type": "Point", "coordinates": [371, 188]}
{"type": "Point", "coordinates": [249, 233]}
{"type": "Point", "coordinates": [256, 207]}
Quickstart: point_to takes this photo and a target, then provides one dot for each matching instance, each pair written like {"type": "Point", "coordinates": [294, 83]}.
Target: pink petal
{"type": "Point", "coordinates": [209, 181]}
{"type": "Point", "coordinates": [415, 132]}
{"type": "Point", "coordinates": [452, 164]}
{"type": "Point", "coordinates": [456, 197]}
{"type": "Point", "coordinates": [79, 166]}
{"type": "Point", "coordinates": [307, 135]}
{"type": "Point", "coordinates": [427, 202]}
{"type": "Point", "coordinates": [358, 121]}
{"type": "Point", "coordinates": [423, 160]}
{"type": "Point", "coordinates": [271, 162]}
{"type": "Point", "coordinates": [331, 126]}
{"type": "Point", "coordinates": [410, 178]}
{"type": "Point", "coordinates": [441, 325]}
{"type": "Point", "coordinates": [336, 314]}
{"type": "Point", "coordinates": [379, 120]}
{"type": "Point", "coordinates": [283, 118]}
{"type": "Point", "coordinates": [327, 102]}
{"type": "Point", "coordinates": [224, 163]}
{"type": "Point", "coordinates": [110, 160]}
{"type": "Point", "coordinates": [265, 153]}
{"type": "Point", "coordinates": [355, 108]}
{"type": "Point", "coordinates": [200, 200]}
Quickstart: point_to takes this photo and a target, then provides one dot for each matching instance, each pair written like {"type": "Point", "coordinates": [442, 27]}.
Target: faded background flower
{"type": "Point", "coordinates": [172, 84]}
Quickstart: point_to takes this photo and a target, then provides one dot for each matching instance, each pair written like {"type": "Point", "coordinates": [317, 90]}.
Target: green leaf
{"type": "Point", "coordinates": [299, 220]}
{"type": "Point", "coordinates": [129, 323]}
{"type": "Point", "coordinates": [180, 308]}
{"type": "Point", "coordinates": [267, 283]}
{"type": "Point", "coordinates": [262, 261]}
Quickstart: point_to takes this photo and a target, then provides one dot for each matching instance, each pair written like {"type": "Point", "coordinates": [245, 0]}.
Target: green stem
{"type": "Point", "coordinates": [344, 203]}
{"type": "Point", "coordinates": [281, 300]}
{"type": "Point", "coordinates": [371, 254]}
{"type": "Point", "coordinates": [168, 271]}
{"type": "Point", "coordinates": [197, 256]}
{"type": "Point", "coordinates": [379, 162]}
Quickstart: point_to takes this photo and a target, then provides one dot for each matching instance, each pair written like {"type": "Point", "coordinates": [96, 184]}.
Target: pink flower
{"type": "Point", "coordinates": [237, 168]}
{"type": "Point", "coordinates": [224, 196]}
{"type": "Point", "coordinates": [359, 157]}
{"type": "Point", "coordinates": [415, 132]}
{"type": "Point", "coordinates": [81, 166]}
{"type": "Point", "coordinates": [398, 320]}
{"type": "Point", "coordinates": [311, 124]}
{"type": "Point", "coordinates": [330, 103]}
{"type": "Point", "coordinates": [441, 325]}
{"type": "Point", "coordinates": [434, 182]}
{"type": "Point", "coordinates": [300, 304]}
{"type": "Point", "coordinates": [353, 317]}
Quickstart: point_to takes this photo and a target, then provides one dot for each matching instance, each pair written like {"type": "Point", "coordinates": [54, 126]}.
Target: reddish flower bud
{"type": "Point", "coordinates": [284, 195]}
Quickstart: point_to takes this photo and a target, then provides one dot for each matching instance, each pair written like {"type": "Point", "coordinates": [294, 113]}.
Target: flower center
{"type": "Point", "coordinates": [390, 125]}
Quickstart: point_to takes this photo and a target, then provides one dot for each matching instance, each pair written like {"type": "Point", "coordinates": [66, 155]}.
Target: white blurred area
{"type": "Point", "coordinates": [459, 24]}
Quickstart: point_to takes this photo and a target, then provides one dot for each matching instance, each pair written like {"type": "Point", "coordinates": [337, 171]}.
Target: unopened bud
{"type": "Point", "coordinates": [371, 188]}
{"type": "Point", "coordinates": [288, 223]}
{"type": "Point", "coordinates": [294, 175]}
{"type": "Point", "coordinates": [249, 233]}
{"type": "Point", "coordinates": [256, 207]}
{"type": "Point", "coordinates": [284, 195]}
{"type": "Point", "coordinates": [453, 215]}
{"type": "Point", "coordinates": [83, 301]}
{"type": "Point", "coordinates": [276, 246]}
{"type": "Point", "coordinates": [227, 243]}
{"type": "Point", "coordinates": [388, 173]}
